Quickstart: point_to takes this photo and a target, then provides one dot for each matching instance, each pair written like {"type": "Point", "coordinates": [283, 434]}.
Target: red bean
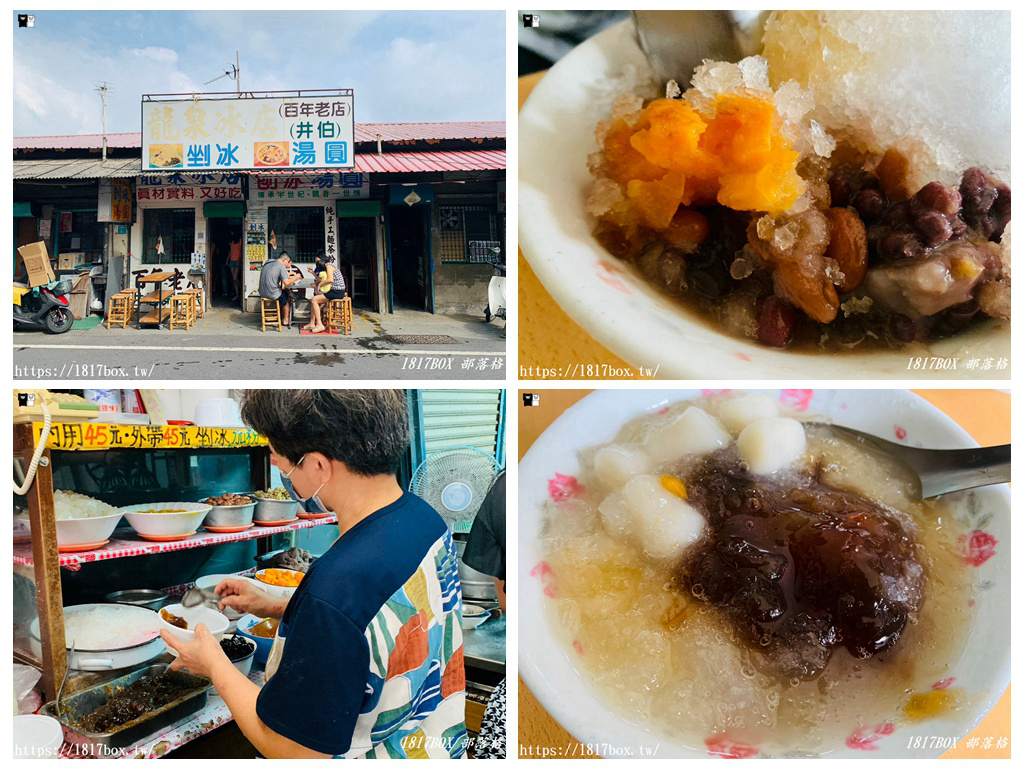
{"type": "Point", "coordinates": [900, 245]}
{"type": "Point", "coordinates": [870, 203]}
{"type": "Point", "coordinates": [936, 197]}
{"type": "Point", "coordinates": [933, 228]}
{"type": "Point", "coordinates": [776, 322]}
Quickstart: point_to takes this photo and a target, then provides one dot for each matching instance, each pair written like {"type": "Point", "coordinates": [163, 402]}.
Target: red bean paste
{"type": "Point", "coordinates": [802, 570]}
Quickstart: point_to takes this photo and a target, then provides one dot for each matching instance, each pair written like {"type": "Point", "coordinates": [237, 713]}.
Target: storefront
{"type": "Point", "coordinates": [179, 216]}
{"type": "Point", "coordinates": [413, 224]}
{"type": "Point", "coordinates": [81, 210]}
{"type": "Point", "coordinates": [305, 214]}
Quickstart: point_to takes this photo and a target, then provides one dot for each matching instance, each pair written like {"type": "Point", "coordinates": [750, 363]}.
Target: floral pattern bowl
{"type": "Point", "coordinates": [612, 302]}
{"type": "Point", "coordinates": [550, 470]}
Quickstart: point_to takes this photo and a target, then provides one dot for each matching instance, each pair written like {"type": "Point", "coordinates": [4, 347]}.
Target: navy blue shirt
{"type": "Point", "coordinates": [382, 604]}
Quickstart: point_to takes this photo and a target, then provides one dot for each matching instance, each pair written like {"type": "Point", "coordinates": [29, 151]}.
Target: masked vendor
{"type": "Point", "coordinates": [368, 658]}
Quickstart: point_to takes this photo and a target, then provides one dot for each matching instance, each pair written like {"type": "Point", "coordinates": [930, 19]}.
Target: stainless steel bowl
{"type": "Point", "coordinates": [229, 517]}
{"type": "Point", "coordinates": [144, 598]}
{"type": "Point", "coordinates": [276, 509]}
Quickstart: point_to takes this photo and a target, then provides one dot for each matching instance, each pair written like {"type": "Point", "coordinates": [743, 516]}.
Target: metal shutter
{"type": "Point", "coordinates": [444, 418]}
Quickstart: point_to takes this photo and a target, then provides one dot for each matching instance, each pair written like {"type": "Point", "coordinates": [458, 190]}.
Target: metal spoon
{"type": "Point", "coordinates": [677, 42]}
{"type": "Point", "coordinates": [195, 597]}
{"type": "Point", "coordinates": [940, 471]}
{"type": "Point", "coordinates": [67, 669]}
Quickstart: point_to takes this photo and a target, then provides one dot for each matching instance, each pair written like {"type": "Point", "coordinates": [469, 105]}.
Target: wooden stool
{"type": "Point", "coordinates": [183, 311]}
{"type": "Point", "coordinates": [120, 310]}
{"type": "Point", "coordinates": [339, 315]}
{"type": "Point", "coordinates": [200, 300]}
{"type": "Point", "coordinates": [270, 314]}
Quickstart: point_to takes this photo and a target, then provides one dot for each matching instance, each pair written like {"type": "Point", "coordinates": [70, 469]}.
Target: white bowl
{"type": "Point", "coordinates": [166, 523]}
{"type": "Point", "coordinates": [473, 615]}
{"type": "Point", "coordinates": [37, 736]}
{"type": "Point", "coordinates": [215, 621]}
{"type": "Point", "coordinates": [610, 300]}
{"type": "Point", "coordinates": [565, 692]}
{"type": "Point", "coordinates": [86, 530]}
{"type": "Point", "coordinates": [244, 664]}
{"type": "Point", "coordinates": [217, 412]}
{"type": "Point", "coordinates": [273, 589]}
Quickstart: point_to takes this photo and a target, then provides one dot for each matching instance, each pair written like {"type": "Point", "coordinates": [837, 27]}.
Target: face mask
{"type": "Point", "coordinates": [308, 501]}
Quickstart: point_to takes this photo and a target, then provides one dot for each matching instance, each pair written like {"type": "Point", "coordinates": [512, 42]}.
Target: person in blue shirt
{"type": "Point", "coordinates": [368, 657]}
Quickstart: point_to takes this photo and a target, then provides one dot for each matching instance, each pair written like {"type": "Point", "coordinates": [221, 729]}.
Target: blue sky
{"type": "Point", "coordinates": [404, 66]}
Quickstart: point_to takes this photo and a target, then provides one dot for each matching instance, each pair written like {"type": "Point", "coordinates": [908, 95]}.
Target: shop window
{"type": "Point", "coordinates": [173, 229]}
{"type": "Point", "coordinates": [79, 232]}
{"type": "Point", "coordinates": [298, 230]}
{"type": "Point", "coordinates": [469, 234]}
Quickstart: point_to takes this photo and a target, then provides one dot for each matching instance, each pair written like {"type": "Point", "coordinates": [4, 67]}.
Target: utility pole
{"type": "Point", "coordinates": [102, 90]}
{"type": "Point", "coordinates": [238, 75]}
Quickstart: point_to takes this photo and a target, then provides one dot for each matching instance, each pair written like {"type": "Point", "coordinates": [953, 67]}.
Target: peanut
{"type": "Point", "coordinates": [848, 245]}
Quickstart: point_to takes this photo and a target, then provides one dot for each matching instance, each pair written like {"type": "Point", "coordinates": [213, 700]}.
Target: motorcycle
{"type": "Point", "coordinates": [496, 290]}
{"type": "Point", "coordinates": [45, 307]}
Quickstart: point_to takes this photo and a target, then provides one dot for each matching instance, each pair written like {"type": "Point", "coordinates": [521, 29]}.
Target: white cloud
{"type": "Point", "coordinates": [156, 54]}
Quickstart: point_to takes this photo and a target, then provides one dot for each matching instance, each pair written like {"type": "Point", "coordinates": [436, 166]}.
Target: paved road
{"type": "Point", "coordinates": [160, 355]}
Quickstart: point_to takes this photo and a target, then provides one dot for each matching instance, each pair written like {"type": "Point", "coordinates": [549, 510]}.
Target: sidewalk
{"type": "Point", "coordinates": [228, 345]}
{"type": "Point", "coordinates": [233, 329]}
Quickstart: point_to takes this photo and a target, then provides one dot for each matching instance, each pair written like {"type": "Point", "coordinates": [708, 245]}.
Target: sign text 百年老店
{"type": "Point", "coordinates": [245, 134]}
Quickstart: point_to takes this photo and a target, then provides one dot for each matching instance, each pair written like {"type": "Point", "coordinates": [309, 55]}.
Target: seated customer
{"type": "Point", "coordinates": [275, 281]}
{"type": "Point", "coordinates": [334, 281]}
{"type": "Point", "coordinates": [368, 656]}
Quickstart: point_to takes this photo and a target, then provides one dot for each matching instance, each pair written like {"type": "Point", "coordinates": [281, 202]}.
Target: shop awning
{"type": "Point", "coordinates": [78, 168]}
{"type": "Point", "coordinates": [224, 210]}
{"type": "Point", "coordinates": [358, 209]}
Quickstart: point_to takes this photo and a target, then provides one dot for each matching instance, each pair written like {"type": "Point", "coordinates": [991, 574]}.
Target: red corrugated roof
{"type": "Point", "coordinates": [403, 162]}
{"type": "Point", "coordinates": [429, 131]}
{"type": "Point", "coordinates": [365, 132]}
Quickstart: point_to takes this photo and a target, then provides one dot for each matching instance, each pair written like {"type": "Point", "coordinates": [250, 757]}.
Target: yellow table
{"type": "Point", "coordinates": [984, 414]}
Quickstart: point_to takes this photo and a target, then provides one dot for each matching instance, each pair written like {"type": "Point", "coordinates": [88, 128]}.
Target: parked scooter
{"type": "Point", "coordinates": [45, 307]}
{"type": "Point", "coordinates": [496, 290]}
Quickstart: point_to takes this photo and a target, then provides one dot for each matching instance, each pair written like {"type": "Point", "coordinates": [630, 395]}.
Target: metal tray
{"type": "Point", "coordinates": [82, 702]}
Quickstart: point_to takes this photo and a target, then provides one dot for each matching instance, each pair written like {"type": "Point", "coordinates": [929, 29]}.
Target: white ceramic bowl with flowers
{"type": "Point", "coordinates": [550, 471]}
{"type": "Point", "coordinates": [611, 301]}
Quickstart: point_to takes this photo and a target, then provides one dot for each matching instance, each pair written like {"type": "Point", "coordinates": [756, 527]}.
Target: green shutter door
{"type": "Point", "coordinates": [454, 417]}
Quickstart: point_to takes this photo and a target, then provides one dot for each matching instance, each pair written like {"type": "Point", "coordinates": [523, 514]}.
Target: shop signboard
{"type": "Point", "coordinates": [256, 235]}
{"type": "Point", "coordinates": [114, 202]}
{"type": "Point", "coordinates": [65, 221]}
{"type": "Point", "coordinates": [190, 187]}
{"type": "Point", "coordinates": [316, 131]}
{"type": "Point", "coordinates": [310, 186]}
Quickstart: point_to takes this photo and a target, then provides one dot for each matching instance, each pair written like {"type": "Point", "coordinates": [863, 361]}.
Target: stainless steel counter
{"type": "Point", "coordinates": [484, 646]}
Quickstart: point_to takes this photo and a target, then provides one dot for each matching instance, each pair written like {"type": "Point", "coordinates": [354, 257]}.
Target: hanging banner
{"type": "Point", "coordinates": [114, 201]}
{"type": "Point", "coordinates": [252, 133]}
{"type": "Point", "coordinates": [65, 436]}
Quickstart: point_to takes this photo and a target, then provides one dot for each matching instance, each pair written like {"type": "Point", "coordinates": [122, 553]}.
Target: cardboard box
{"type": "Point", "coordinates": [37, 262]}
{"type": "Point", "coordinates": [70, 260]}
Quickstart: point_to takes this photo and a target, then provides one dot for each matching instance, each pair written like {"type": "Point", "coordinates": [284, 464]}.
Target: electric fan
{"type": "Point", "coordinates": [454, 481]}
